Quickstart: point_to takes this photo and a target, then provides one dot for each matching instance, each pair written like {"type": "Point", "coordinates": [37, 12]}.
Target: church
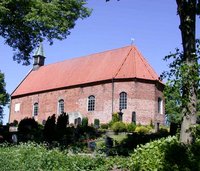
{"type": "Point", "coordinates": [93, 86]}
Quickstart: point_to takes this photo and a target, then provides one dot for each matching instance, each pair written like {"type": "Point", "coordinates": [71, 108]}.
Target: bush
{"type": "Point", "coordinates": [118, 127]}
{"type": "Point", "coordinates": [28, 130]}
{"type": "Point", "coordinates": [104, 126]}
{"type": "Point", "coordinates": [163, 130]}
{"type": "Point", "coordinates": [34, 157]}
{"type": "Point", "coordinates": [115, 118]}
{"type": "Point", "coordinates": [130, 127]}
{"type": "Point", "coordinates": [166, 154]}
{"type": "Point", "coordinates": [49, 131]}
{"type": "Point", "coordinates": [151, 155]}
{"type": "Point", "coordinates": [142, 129]}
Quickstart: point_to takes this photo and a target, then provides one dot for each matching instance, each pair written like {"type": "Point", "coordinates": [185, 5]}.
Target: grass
{"type": "Point", "coordinates": [119, 138]}
{"type": "Point", "coordinates": [100, 142]}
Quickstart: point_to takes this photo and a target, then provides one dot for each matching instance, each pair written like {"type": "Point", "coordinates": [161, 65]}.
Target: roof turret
{"type": "Point", "coordinates": [39, 57]}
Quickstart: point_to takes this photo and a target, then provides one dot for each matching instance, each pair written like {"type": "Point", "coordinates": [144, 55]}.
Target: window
{"type": "Point", "coordinates": [17, 107]}
{"type": "Point", "coordinates": [35, 109]}
{"type": "Point", "coordinates": [91, 103]}
{"type": "Point", "coordinates": [61, 107]}
{"type": "Point", "coordinates": [123, 100]}
{"type": "Point", "coordinates": [160, 105]}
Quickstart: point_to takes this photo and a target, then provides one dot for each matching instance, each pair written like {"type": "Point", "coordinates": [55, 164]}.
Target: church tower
{"type": "Point", "coordinates": [39, 57]}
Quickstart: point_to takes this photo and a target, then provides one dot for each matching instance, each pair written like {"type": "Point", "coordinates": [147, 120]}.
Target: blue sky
{"type": "Point", "coordinates": [153, 24]}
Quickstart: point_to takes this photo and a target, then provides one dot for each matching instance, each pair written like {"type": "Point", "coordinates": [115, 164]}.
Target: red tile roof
{"type": "Point", "coordinates": [126, 62]}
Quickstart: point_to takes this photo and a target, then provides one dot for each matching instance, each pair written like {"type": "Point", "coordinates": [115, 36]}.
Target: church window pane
{"type": "Point", "coordinates": [91, 103]}
{"type": "Point", "coordinates": [123, 100]}
{"type": "Point", "coordinates": [35, 109]}
{"type": "Point", "coordinates": [61, 107]}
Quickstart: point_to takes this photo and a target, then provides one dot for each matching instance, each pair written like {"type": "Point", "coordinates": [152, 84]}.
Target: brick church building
{"type": "Point", "coordinates": [93, 86]}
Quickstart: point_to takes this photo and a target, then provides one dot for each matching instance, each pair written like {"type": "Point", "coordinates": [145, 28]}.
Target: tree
{"type": "Point", "coordinates": [62, 122]}
{"type": "Point", "coordinates": [28, 129]}
{"type": "Point", "coordinates": [187, 11]}
{"type": "Point", "coordinates": [173, 102]}
{"type": "Point", "coordinates": [24, 23]}
{"type": "Point", "coordinates": [4, 97]}
{"type": "Point", "coordinates": [49, 131]}
{"type": "Point", "coordinates": [179, 76]}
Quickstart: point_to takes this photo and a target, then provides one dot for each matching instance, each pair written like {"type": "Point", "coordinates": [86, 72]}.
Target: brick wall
{"type": "Point", "coordinates": [142, 99]}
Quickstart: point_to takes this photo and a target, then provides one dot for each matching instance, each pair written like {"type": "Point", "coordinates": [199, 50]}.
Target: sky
{"type": "Point", "coordinates": [152, 24]}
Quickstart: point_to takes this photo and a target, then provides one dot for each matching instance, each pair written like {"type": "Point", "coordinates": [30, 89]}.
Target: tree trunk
{"type": "Point", "coordinates": [187, 15]}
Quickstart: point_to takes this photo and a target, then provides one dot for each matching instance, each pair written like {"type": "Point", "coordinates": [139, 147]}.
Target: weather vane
{"type": "Point", "coordinates": [132, 41]}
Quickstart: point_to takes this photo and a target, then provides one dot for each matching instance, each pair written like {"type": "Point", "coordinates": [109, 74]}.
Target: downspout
{"type": "Point", "coordinates": [113, 89]}
{"type": "Point", "coordinates": [9, 110]}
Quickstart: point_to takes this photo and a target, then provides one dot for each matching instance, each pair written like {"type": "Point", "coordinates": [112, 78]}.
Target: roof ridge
{"type": "Point", "coordinates": [134, 64]}
{"type": "Point", "coordinates": [120, 67]}
{"type": "Point", "coordinates": [86, 56]}
{"type": "Point", "coordinates": [147, 65]}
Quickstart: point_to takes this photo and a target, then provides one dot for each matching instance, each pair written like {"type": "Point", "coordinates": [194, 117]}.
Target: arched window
{"type": "Point", "coordinates": [91, 103]}
{"type": "Point", "coordinates": [123, 100]}
{"type": "Point", "coordinates": [35, 109]}
{"type": "Point", "coordinates": [61, 106]}
{"type": "Point", "coordinates": [160, 105]}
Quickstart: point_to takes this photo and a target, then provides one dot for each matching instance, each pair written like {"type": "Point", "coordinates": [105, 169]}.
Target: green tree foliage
{"type": "Point", "coordinates": [61, 129]}
{"type": "Point", "coordinates": [4, 97]}
{"type": "Point", "coordinates": [50, 129]}
{"type": "Point", "coordinates": [29, 129]}
{"type": "Point", "coordinates": [173, 102]}
{"type": "Point", "coordinates": [179, 82]}
{"type": "Point", "coordinates": [23, 23]}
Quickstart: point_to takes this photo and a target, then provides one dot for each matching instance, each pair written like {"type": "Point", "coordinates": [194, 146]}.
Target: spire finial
{"type": "Point", "coordinates": [39, 51]}
{"type": "Point", "coordinates": [132, 41]}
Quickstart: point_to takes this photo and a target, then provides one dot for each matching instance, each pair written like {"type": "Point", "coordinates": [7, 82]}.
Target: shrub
{"type": "Point", "coordinates": [130, 127]}
{"type": "Point", "coordinates": [142, 129]}
{"type": "Point", "coordinates": [96, 123]}
{"type": "Point", "coordinates": [34, 157]}
{"type": "Point", "coordinates": [163, 130]}
{"type": "Point", "coordinates": [118, 127]}
{"type": "Point", "coordinates": [151, 155]}
{"type": "Point", "coordinates": [115, 118]}
{"type": "Point", "coordinates": [85, 122]}
{"type": "Point", "coordinates": [28, 129]}
{"type": "Point", "coordinates": [166, 154]}
{"type": "Point", "coordinates": [104, 126]}
{"type": "Point", "coordinates": [61, 129]}
{"type": "Point", "coordinates": [49, 131]}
